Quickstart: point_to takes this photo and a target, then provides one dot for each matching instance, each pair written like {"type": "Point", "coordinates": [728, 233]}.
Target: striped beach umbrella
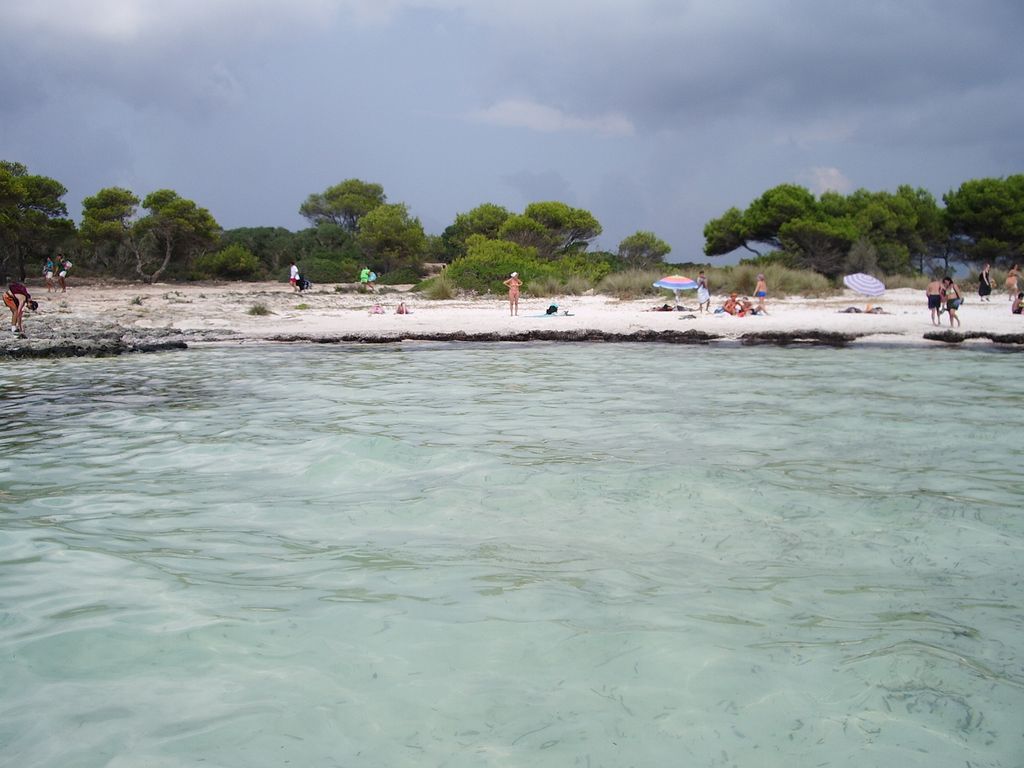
{"type": "Point", "coordinates": [866, 285]}
{"type": "Point", "coordinates": [676, 283]}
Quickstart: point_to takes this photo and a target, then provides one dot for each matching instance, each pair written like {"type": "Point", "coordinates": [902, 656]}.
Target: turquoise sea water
{"type": "Point", "coordinates": [513, 555]}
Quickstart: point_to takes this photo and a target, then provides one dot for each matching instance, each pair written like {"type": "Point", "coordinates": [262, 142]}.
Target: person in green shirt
{"type": "Point", "coordinates": [365, 279]}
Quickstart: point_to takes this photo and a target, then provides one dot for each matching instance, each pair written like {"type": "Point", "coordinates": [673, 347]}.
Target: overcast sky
{"type": "Point", "coordinates": [652, 114]}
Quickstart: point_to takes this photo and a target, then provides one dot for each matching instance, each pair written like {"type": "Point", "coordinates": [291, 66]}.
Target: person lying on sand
{"type": "Point", "coordinates": [402, 309]}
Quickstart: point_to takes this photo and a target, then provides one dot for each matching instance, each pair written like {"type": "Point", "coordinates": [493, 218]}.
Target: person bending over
{"type": "Point", "coordinates": [17, 297]}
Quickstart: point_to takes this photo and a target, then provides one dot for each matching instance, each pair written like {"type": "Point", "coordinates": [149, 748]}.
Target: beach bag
{"type": "Point", "coordinates": [552, 310]}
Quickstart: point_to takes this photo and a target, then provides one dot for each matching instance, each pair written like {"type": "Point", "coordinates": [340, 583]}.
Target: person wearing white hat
{"type": "Point", "coordinates": [513, 284]}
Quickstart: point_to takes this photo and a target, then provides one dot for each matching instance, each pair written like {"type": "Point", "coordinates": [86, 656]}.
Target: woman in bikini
{"type": "Point", "coordinates": [514, 284]}
{"type": "Point", "coordinates": [951, 294]}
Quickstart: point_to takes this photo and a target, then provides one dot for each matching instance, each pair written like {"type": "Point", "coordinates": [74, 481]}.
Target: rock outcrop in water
{"type": "Point", "coordinates": [63, 337]}
{"type": "Point", "coordinates": [577, 335]}
{"type": "Point", "coordinates": [954, 337]}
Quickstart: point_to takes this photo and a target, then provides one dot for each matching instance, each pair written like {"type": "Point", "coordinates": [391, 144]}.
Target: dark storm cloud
{"type": "Point", "coordinates": [655, 114]}
{"type": "Point", "coordinates": [783, 62]}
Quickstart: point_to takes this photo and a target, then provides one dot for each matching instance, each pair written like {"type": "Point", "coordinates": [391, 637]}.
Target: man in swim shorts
{"type": "Point", "coordinates": [934, 294]}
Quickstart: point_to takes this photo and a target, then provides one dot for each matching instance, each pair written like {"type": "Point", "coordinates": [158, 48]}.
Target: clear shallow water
{"type": "Point", "coordinates": [565, 555]}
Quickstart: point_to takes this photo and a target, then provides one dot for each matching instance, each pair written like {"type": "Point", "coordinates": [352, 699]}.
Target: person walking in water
{"type": "Point", "coordinates": [514, 284]}
{"type": "Point", "coordinates": [934, 294]}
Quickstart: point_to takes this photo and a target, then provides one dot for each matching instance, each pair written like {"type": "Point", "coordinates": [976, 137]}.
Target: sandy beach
{"type": "Point", "coordinates": [213, 312]}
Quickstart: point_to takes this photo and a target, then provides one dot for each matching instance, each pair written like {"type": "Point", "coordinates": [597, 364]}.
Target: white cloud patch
{"type": "Point", "coordinates": [515, 113]}
{"type": "Point", "coordinates": [130, 21]}
{"type": "Point", "coordinates": [826, 179]}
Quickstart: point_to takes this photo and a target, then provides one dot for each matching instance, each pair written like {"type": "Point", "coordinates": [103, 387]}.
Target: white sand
{"type": "Point", "coordinates": [322, 312]}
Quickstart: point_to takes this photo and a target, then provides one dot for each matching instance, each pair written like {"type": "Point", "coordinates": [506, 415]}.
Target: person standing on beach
{"type": "Point", "coordinates": [365, 281]}
{"type": "Point", "coordinates": [293, 276]}
{"type": "Point", "coordinates": [48, 274]}
{"type": "Point", "coordinates": [703, 294]}
{"type": "Point", "coordinates": [1011, 281]}
{"type": "Point", "coordinates": [514, 284]}
{"type": "Point", "coordinates": [951, 294]}
{"type": "Point", "coordinates": [761, 291]}
{"type": "Point", "coordinates": [985, 283]}
{"type": "Point", "coordinates": [65, 267]}
{"type": "Point", "coordinates": [934, 294]}
{"type": "Point", "coordinates": [17, 297]}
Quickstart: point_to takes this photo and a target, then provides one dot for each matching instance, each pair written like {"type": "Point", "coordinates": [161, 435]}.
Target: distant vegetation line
{"type": "Point", "coordinates": [803, 242]}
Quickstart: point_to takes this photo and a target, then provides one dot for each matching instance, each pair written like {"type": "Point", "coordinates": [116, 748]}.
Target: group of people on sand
{"type": "Point", "coordinates": [741, 306]}
{"type": "Point", "coordinates": [59, 265]}
{"type": "Point", "coordinates": [299, 283]}
{"type": "Point", "coordinates": [944, 296]}
{"type": "Point", "coordinates": [985, 283]}
{"type": "Point", "coordinates": [401, 309]}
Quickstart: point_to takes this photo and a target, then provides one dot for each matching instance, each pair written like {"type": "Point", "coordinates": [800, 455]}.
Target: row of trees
{"type": "Point", "coordinates": [352, 224]}
{"type": "Point", "coordinates": [901, 232]}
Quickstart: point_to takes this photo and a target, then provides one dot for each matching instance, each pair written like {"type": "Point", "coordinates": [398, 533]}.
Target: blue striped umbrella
{"type": "Point", "coordinates": [866, 285]}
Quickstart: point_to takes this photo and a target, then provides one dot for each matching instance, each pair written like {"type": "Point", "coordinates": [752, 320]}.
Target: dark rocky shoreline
{"type": "Point", "coordinates": [58, 337]}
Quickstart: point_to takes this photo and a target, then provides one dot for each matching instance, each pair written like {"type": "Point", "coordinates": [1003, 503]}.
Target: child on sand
{"type": "Point", "coordinates": [761, 292]}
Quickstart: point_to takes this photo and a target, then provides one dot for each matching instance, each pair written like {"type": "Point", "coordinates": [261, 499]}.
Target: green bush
{"type": "Point", "coordinates": [438, 287]}
{"type": "Point", "coordinates": [781, 281]}
{"type": "Point", "coordinates": [488, 263]}
{"type": "Point", "coordinates": [322, 270]}
{"type": "Point", "coordinates": [236, 262]}
{"type": "Point", "coordinates": [402, 276]}
{"type": "Point", "coordinates": [917, 282]}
